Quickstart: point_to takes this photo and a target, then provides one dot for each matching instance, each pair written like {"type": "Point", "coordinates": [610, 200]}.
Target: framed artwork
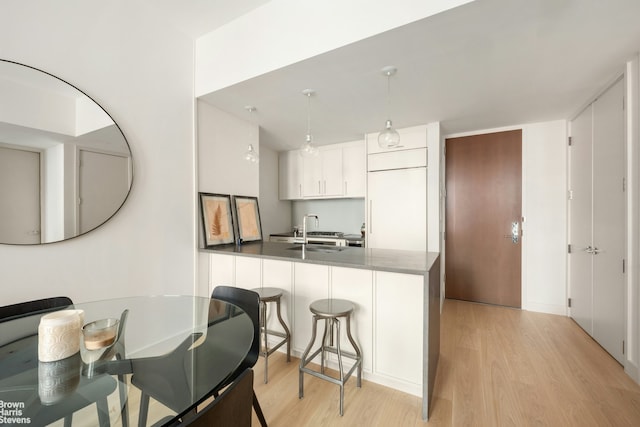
{"type": "Point", "coordinates": [248, 215]}
{"type": "Point", "coordinates": [217, 220]}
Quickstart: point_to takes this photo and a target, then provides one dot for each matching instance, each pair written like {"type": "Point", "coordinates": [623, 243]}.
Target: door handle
{"type": "Point", "coordinates": [515, 232]}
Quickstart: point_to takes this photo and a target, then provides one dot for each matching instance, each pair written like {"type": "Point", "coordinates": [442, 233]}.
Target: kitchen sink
{"type": "Point", "coordinates": [321, 248]}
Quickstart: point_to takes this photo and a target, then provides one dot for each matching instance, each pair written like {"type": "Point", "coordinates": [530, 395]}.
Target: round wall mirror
{"type": "Point", "coordinates": [65, 166]}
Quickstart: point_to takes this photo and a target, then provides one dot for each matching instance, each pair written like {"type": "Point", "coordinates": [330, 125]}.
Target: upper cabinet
{"type": "Point", "coordinates": [290, 175]}
{"type": "Point", "coordinates": [322, 174]}
{"type": "Point", "coordinates": [354, 170]}
{"type": "Point", "coordinates": [338, 171]}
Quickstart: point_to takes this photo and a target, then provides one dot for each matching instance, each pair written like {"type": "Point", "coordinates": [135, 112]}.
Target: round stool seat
{"type": "Point", "coordinates": [331, 307]}
{"type": "Point", "coordinates": [268, 294]}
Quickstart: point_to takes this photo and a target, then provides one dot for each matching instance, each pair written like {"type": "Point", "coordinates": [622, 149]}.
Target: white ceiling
{"type": "Point", "coordinates": [486, 64]}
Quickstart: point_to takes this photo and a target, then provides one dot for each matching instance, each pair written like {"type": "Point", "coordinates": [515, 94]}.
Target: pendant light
{"type": "Point", "coordinates": [389, 137]}
{"type": "Point", "coordinates": [251, 155]}
{"type": "Point", "coordinates": [308, 149]}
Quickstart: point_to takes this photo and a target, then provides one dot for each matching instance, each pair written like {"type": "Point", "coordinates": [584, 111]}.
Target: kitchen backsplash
{"type": "Point", "coordinates": [346, 215]}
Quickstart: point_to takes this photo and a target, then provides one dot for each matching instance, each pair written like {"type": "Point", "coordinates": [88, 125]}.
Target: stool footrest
{"type": "Point", "coordinates": [272, 349]}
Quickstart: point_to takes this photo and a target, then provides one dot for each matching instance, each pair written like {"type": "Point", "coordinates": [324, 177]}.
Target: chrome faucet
{"type": "Point", "coordinates": [304, 226]}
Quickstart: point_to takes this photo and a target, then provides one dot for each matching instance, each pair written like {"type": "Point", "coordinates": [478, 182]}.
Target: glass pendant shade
{"type": "Point", "coordinates": [389, 137]}
{"type": "Point", "coordinates": [251, 155]}
{"type": "Point", "coordinates": [308, 149]}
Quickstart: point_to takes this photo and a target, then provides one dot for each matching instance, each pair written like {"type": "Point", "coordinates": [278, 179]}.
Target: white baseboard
{"type": "Point", "coordinates": [546, 308]}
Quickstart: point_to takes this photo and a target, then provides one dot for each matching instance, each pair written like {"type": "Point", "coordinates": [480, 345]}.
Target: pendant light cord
{"type": "Point", "coordinates": [388, 96]}
{"type": "Point", "coordinates": [308, 113]}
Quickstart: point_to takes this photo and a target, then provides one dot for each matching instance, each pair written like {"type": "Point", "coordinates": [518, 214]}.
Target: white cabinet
{"type": "Point", "coordinates": [322, 174]}
{"type": "Point", "coordinates": [354, 166]}
{"type": "Point", "coordinates": [410, 138]}
{"type": "Point", "coordinates": [339, 170]}
{"type": "Point", "coordinates": [399, 313]}
{"type": "Point", "coordinates": [279, 274]}
{"type": "Point", "coordinates": [397, 192]}
{"type": "Point", "coordinates": [221, 270]}
{"type": "Point", "coordinates": [397, 209]}
{"type": "Point", "coordinates": [356, 285]}
{"type": "Point", "coordinates": [311, 282]}
{"type": "Point", "coordinates": [290, 175]}
{"type": "Point", "coordinates": [248, 272]}
{"type": "Point", "coordinates": [388, 321]}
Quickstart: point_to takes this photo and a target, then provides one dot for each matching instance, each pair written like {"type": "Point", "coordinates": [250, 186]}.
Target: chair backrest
{"type": "Point", "coordinates": [232, 408]}
{"type": "Point", "coordinates": [44, 305]}
{"type": "Point", "coordinates": [249, 302]}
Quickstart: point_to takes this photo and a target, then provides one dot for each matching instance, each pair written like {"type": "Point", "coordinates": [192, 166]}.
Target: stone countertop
{"type": "Point", "coordinates": [397, 261]}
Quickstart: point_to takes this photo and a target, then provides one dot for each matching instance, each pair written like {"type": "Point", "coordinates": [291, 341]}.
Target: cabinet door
{"type": "Point", "coordinates": [290, 175]}
{"type": "Point", "coordinates": [399, 311]}
{"type": "Point", "coordinates": [356, 285]}
{"type": "Point", "coordinates": [354, 170]}
{"type": "Point", "coordinates": [322, 174]}
{"type": "Point", "coordinates": [413, 137]}
{"type": "Point", "coordinates": [248, 272]}
{"type": "Point", "coordinates": [312, 175]}
{"type": "Point", "coordinates": [221, 270]}
{"type": "Point", "coordinates": [279, 274]}
{"type": "Point", "coordinates": [332, 172]}
{"type": "Point", "coordinates": [397, 209]}
{"type": "Point", "coordinates": [311, 282]}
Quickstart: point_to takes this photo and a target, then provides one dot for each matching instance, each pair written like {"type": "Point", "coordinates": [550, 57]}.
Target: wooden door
{"type": "Point", "coordinates": [483, 218]}
{"type": "Point", "coordinates": [19, 196]}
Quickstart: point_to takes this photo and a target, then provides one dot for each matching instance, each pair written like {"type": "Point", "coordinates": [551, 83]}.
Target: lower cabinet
{"type": "Point", "coordinates": [221, 270]}
{"type": "Point", "coordinates": [248, 272]}
{"type": "Point", "coordinates": [279, 274]}
{"type": "Point", "coordinates": [398, 316]}
{"type": "Point", "coordinates": [356, 285]}
{"type": "Point", "coordinates": [311, 282]}
{"type": "Point", "coordinates": [387, 324]}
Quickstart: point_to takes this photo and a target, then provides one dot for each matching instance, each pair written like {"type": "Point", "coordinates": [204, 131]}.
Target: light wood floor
{"type": "Point", "coordinates": [498, 366]}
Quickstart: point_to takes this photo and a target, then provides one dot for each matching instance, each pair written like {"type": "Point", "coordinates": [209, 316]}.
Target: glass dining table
{"type": "Point", "coordinates": [174, 349]}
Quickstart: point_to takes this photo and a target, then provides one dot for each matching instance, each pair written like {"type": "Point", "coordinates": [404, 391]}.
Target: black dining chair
{"type": "Point", "coordinates": [28, 308]}
{"type": "Point", "coordinates": [249, 302]}
{"type": "Point", "coordinates": [151, 379]}
{"type": "Point", "coordinates": [232, 408]}
{"type": "Point", "coordinates": [92, 393]}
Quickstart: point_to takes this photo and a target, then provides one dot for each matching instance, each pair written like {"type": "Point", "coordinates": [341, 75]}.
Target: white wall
{"type": "Point", "coordinates": [544, 206]}
{"type": "Point", "coordinates": [283, 32]}
{"type": "Point", "coordinates": [141, 72]}
{"type": "Point", "coordinates": [222, 141]}
{"type": "Point", "coordinates": [275, 213]}
{"type": "Point", "coordinates": [346, 215]}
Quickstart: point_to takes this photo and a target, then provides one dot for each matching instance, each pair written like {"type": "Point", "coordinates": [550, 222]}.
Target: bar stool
{"type": "Point", "coordinates": [331, 310]}
{"type": "Point", "coordinates": [268, 295]}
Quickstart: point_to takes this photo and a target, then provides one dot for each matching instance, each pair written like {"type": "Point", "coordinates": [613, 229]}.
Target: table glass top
{"type": "Point", "coordinates": [176, 348]}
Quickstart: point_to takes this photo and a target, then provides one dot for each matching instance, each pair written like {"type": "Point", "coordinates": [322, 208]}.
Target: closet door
{"type": "Point", "coordinates": [597, 220]}
{"type": "Point", "coordinates": [580, 220]}
{"type": "Point", "coordinates": [609, 220]}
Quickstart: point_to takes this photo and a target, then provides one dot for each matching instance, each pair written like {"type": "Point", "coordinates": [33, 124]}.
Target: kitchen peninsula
{"type": "Point", "coordinates": [397, 297]}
